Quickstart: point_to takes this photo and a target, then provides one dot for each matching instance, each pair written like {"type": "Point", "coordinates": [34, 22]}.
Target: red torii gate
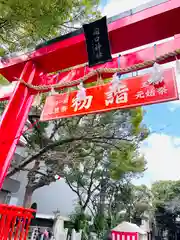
{"type": "Point", "coordinates": [143, 27]}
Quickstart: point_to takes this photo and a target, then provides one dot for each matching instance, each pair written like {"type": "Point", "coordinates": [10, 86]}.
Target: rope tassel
{"type": "Point", "coordinates": [37, 100]}
{"type": "Point", "coordinates": [52, 92]}
{"type": "Point", "coordinates": [99, 78]}
{"type": "Point", "coordinates": [93, 73]}
{"type": "Point", "coordinates": [115, 83]}
{"type": "Point", "coordinates": [177, 66]}
{"type": "Point", "coordinates": [157, 74]}
{"type": "Point", "coordinates": [81, 94]}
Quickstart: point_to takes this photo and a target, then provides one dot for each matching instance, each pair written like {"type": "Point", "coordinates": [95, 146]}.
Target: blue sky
{"type": "Point", "coordinates": [113, 7]}
{"type": "Point", "coordinates": [163, 118]}
{"type": "Point", "coordinates": [162, 148]}
{"type": "Point", "coordinates": [104, 2]}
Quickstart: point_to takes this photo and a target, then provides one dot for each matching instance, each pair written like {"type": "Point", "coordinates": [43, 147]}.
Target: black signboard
{"type": "Point", "coordinates": [97, 42]}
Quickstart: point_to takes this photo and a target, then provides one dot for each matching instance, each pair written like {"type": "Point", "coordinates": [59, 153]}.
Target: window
{"type": "Point", "coordinates": [4, 197]}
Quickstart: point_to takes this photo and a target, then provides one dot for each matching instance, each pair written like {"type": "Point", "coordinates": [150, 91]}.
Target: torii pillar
{"type": "Point", "coordinates": [15, 117]}
{"type": "Point", "coordinates": [125, 32]}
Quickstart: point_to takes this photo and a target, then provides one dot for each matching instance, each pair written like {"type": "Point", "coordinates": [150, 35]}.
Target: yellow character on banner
{"type": "Point", "coordinates": [64, 108]}
{"type": "Point", "coordinates": [162, 90]}
{"type": "Point", "coordinates": [150, 93]}
{"type": "Point", "coordinates": [79, 105]}
{"type": "Point", "coordinates": [118, 96]}
{"type": "Point", "coordinates": [109, 98]}
{"type": "Point", "coordinates": [140, 95]}
{"type": "Point", "coordinates": [56, 110]}
{"type": "Point", "coordinates": [122, 95]}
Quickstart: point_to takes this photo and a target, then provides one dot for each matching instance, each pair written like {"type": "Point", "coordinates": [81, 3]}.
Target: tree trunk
{"type": "Point", "coordinates": [28, 197]}
{"type": "Point", "coordinates": [102, 197]}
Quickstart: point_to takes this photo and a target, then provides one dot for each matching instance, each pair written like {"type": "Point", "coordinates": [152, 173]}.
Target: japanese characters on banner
{"type": "Point", "coordinates": [131, 92]}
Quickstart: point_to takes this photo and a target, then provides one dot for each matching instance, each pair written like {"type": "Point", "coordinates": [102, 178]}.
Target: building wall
{"type": "Point", "coordinates": [11, 185]}
{"type": "Point", "coordinates": [56, 196]}
{"type": "Point", "coordinates": [4, 197]}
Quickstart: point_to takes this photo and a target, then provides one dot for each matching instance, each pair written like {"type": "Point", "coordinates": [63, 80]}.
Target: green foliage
{"type": "Point", "coordinates": [133, 202]}
{"type": "Point", "coordinates": [166, 203]}
{"type": "Point", "coordinates": [83, 150]}
{"type": "Point", "coordinates": [2, 106]}
{"type": "Point", "coordinates": [101, 170]}
{"type": "Point", "coordinates": [25, 23]}
{"type": "Point", "coordinates": [165, 191]}
{"type": "Point", "coordinates": [3, 81]}
{"type": "Point", "coordinates": [80, 221]}
{"type": "Point", "coordinates": [97, 154]}
{"type": "Point", "coordinates": [137, 117]}
{"type": "Point", "coordinates": [127, 160]}
{"type": "Point", "coordinates": [141, 202]}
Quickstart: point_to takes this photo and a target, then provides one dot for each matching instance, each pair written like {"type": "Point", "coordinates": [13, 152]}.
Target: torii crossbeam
{"type": "Point", "coordinates": [132, 29]}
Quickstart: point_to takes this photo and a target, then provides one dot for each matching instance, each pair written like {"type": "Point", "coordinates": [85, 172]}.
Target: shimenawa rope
{"type": "Point", "coordinates": [99, 71]}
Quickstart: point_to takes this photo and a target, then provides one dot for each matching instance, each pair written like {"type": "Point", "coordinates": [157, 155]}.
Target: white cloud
{"type": "Point", "coordinates": [163, 158]}
{"type": "Point", "coordinates": [115, 7]}
{"type": "Point", "coordinates": [172, 109]}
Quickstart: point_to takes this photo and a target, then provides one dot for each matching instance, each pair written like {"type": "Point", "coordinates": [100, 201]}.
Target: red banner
{"type": "Point", "coordinates": [132, 92]}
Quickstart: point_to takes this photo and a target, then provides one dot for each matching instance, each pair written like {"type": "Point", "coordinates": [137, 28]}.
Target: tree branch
{"type": "Point", "coordinates": [3, 22]}
{"type": "Point", "coordinates": [27, 140]}
{"type": "Point", "coordinates": [89, 192]}
{"type": "Point", "coordinates": [71, 27]}
{"type": "Point", "coordinates": [52, 146]}
{"type": "Point", "coordinates": [39, 133]}
{"type": "Point", "coordinates": [38, 185]}
{"type": "Point", "coordinates": [37, 172]}
{"type": "Point", "coordinates": [75, 191]}
{"type": "Point", "coordinates": [38, 154]}
{"type": "Point", "coordinates": [56, 127]}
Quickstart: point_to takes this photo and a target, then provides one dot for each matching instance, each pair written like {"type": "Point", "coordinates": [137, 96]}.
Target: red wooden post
{"type": "Point", "coordinates": [14, 222]}
{"type": "Point", "coordinates": [14, 118]}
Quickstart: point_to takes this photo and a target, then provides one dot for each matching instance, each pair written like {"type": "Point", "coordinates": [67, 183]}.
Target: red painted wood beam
{"type": "Point", "coordinates": [149, 25]}
{"type": "Point", "coordinates": [126, 60]}
{"type": "Point", "coordinates": [14, 118]}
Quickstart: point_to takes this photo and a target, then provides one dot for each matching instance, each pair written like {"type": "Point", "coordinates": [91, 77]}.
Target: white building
{"type": "Point", "coordinates": [11, 185]}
